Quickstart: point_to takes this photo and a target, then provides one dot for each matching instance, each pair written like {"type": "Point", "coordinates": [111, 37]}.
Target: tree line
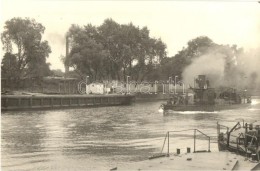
{"type": "Point", "coordinates": [111, 51]}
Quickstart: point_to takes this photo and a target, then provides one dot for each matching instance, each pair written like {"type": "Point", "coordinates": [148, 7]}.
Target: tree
{"type": "Point", "coordinates": [199, 46]}
{"type": "Point", "coordinates": [196, 48]}
{"type": "Point", "coordinates": [57, 73]}
{"type": "Point", "coordinates": [87, 55]}
{"type": "Point", "coordinates": [9, 66]}
{"type": "Point", "coordinates": [124, 48]}
{"type": "Point", "coordinates": [25, 50]}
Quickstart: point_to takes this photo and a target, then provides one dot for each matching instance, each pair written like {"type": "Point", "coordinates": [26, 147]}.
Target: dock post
{"type": "Point", "coordinates": [246, 142]}
{"type": "Point", "coordinates": [178, 151]}
{"type": "Point", "coordinates": [194, 141]}
{"type": "Point", "coordinates": [168, 153]}
{"type": "Point", "coordinates": [209, 145]}
{"type": "Point", "coordinates": [188, 149]}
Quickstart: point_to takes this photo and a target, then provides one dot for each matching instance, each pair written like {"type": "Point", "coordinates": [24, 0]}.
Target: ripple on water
{"type": "Point", "coordinates": [102, 138]}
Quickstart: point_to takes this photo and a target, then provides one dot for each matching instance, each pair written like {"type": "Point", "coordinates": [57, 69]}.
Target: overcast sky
{"type": "Point", "coordinates": [175, 22]}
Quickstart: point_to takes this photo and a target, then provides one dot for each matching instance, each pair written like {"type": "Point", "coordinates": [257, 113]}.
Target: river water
{"type": "Point", "coordinates": [104, 138]}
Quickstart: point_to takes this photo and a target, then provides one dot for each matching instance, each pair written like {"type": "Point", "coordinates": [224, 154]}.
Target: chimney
{"type": "Point", "coordinates": [67, 55]}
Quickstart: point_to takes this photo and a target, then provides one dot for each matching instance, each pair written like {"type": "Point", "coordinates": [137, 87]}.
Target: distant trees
{"type": "Point", "coordinates": [25, 52]}
{"type": "Point", "coordinates": [113, 51]}
{"type": "Point", "coordinates": [57, 73]}
{"type": "Point", "coordinates": [233, 71]}
{"type": "Point", "coordinates": [196, 48]}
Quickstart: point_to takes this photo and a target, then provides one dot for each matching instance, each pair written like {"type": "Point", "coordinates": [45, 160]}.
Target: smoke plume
{"type": "Point", "coordinates": [223, 67]}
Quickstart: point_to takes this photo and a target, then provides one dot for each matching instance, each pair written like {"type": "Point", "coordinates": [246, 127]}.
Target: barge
{"type": "Point", "coordinates": [29, 102]}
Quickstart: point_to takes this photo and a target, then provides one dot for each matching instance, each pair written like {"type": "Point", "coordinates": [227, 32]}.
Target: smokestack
{"type": "Point", "coordinates": [67, 55]}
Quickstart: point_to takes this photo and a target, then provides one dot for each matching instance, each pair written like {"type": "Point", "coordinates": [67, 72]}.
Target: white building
{"type": "Point", "coordinates": [95, 88]}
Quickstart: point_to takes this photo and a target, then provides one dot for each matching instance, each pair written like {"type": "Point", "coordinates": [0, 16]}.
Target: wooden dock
{"type": "Point", "coordinates": [27, 102]}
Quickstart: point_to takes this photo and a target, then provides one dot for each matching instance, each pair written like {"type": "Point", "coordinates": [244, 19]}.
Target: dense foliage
{"type": "Point", "coordinates": [25, 52]}
{"type": "Point", "coordinates": [114, 51]}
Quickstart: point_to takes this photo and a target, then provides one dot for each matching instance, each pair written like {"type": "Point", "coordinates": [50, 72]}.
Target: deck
{"type": "Point", "coordinates": [195, 161]}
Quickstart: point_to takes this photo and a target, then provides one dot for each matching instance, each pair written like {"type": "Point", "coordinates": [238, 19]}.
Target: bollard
{"type": "Point", "coordinates": [254, 157]}
{"type": "Point", "coordinates": [248, 154]}
{"type": "Point", "coordinates": [188, 149]}
{"type": "Point", "coordinates": [178, 151]}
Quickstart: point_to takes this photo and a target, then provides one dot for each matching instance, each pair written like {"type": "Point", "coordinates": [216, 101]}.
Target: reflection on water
{"type": "Point", "coordinates": [102, 138]}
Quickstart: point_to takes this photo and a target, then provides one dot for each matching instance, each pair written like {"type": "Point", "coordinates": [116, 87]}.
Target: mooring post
{"type": "Point", "coordinates": [188, 149]}
{"type": "Point", "coordinates": [194, 141]}
{"type": "Point", "coordinates": [209, 145]}
{"type": "Point", "coordinates": [168, 144]}
{"type": "Point", "coordinates": [245, 136]}
{"type": "Point", "coordinates": [178, 151]}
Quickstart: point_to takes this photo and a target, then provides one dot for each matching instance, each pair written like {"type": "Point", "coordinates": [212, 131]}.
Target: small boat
{"type": "Point", "coordinates": [206, 98]}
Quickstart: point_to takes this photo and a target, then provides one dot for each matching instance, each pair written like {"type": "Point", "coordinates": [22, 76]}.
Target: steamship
{"type": "Point", "coordinates": [207, 99]}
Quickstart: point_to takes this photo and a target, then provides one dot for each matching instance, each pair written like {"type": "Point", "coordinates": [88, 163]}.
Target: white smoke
{"type": "Point", "coordinates": [245, 72]}
{"type": "Point", "coordinates": [250, 65]}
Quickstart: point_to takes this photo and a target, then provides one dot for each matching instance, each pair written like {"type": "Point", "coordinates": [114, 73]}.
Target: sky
{"type": "Point", "coordinates": [175, 22]}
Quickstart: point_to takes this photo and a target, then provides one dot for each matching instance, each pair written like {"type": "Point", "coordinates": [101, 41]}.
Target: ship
{"type": "Point", "coordinates": [206, 98]}
{"type": "Point", "coordinates": [239, 149]}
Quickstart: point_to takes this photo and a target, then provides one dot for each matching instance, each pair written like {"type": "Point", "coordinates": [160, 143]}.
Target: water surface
{"type": "Point", "coordinates": [103, 138]}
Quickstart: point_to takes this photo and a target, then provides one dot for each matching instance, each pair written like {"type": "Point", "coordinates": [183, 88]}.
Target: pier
{"type": "Point", "coordinates": [27, 102]}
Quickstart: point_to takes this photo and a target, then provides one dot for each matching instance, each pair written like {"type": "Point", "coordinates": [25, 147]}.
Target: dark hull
{"type": "Point", "coordinates": [206, 108]}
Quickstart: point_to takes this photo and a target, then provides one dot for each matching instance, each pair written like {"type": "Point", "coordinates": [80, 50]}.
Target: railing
{"type": "Point", "coordinates": [167, 138]}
